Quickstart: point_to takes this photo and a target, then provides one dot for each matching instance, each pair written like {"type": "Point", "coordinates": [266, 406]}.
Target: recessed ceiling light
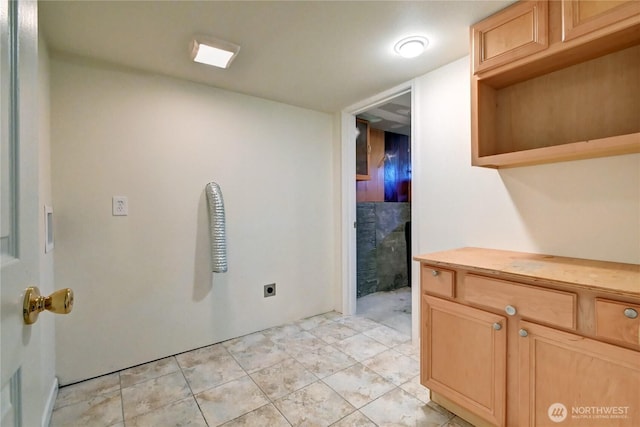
{"type": "Point", "coordinates": [411, 47]}
{"type": "Point", "coordinates": [214, 52]}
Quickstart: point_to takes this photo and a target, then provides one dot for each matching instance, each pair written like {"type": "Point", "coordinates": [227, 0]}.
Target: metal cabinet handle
{"type": "Point", "coordinates": [523, 333]}
{"type": "Point", "coordinates": [435, 273]}
{"type": "Point", "coordinates": [497, 326]}
{"type": "Point", "coordinates": [630, 313]}
{"type": "Point", "coordinates": [510, 310]}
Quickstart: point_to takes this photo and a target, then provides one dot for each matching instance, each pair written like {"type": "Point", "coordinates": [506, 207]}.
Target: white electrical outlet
{"type": "Point", "coordinates": [120, 206]}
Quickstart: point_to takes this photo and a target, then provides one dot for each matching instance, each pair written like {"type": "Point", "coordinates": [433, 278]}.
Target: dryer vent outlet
{"type": "Point", "coordinates": [270, 290]}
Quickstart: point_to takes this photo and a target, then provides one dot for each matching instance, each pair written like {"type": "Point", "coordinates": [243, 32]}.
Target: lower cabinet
{"type": "Point", "coordinates": [464, 357]}
{"type": "Point", "coordinates": [561, 377]}
{"type": "Point", "coordinates": [526, 340]}
{"type": "Point", "coordinates": [568, 379]}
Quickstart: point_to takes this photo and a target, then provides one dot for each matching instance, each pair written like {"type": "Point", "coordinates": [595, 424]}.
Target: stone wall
{"type": "Point", "coordinates": [381, 246]}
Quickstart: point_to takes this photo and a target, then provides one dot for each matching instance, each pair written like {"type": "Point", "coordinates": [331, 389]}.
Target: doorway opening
{"type": "Point", "coordinates": [383, 212]}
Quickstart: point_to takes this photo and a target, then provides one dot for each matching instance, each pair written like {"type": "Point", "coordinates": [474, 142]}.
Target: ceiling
{"type": "Point", "coordinates": [392, 116]}
{"type": "Point", "coordinates": [321, 55]}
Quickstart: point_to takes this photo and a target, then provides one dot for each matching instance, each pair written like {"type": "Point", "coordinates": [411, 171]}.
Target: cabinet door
{"type": "Point", "coordinates": [581, 17]}
{"type": "Point", "coordinates": [464, 357]}
{"type": "Point", "coordinates": [513, 33]}
{"type": "Point", "coordinates": [576, 381]}
{"type": "Point", "coordinates": [363, 150]}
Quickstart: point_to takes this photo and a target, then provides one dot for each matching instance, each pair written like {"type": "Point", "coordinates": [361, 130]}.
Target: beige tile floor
{"type": "Point", "coordinates": [327, 370]}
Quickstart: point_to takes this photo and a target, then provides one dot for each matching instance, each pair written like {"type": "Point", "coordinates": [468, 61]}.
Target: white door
{"type": "Point", "coordinates": [21, 354]}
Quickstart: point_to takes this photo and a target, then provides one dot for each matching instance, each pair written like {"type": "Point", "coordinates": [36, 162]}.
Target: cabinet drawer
{"type": "Point", "coordinates": [437, 281]}
{"type": "Point", "coordinates": [615, 320]}
{"type": "Point", "coordinates": [544, 305]}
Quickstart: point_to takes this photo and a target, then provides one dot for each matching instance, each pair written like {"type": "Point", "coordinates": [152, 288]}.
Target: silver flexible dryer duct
{"type": "Point", "coordinates": [217, 232]}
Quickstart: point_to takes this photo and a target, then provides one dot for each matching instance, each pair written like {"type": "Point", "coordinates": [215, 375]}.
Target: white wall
{"type": "Point", "coordinates": [142, 283]}
{"type": "Point", "coordinates": [587, 208]}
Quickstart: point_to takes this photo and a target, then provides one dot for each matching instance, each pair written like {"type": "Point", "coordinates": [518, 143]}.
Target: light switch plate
{"type": "Point", "coordinates": [120, 206]}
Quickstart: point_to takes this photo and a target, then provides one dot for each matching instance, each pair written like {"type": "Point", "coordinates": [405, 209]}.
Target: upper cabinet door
{"type": "Point", "coordinates": [515, 32]}
{"type": "Point", "coordinates": [581, 17]}
{"type": "Point", "coordinates": [363, 150]}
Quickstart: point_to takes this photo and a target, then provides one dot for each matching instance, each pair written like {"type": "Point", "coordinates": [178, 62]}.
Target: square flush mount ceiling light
{"type": "Point", "coordinates": [214, 52]}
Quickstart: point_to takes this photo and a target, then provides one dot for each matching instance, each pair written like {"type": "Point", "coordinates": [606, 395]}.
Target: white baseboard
{"type": "Point", "coordinates": [51, 401]}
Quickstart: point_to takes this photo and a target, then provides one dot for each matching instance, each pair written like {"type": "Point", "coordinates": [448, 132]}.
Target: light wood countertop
{"type": "Point", "coordinates": [584, 273]}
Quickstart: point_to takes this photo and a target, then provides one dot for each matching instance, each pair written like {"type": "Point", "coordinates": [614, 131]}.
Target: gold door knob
{"type": "Point", "coordinates": [60, 302]}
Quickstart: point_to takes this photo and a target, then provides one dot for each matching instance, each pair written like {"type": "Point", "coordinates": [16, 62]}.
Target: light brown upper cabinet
{"type": "Point", "coordinates": [580, 17]}
{"type": "Point", "coordinates": [516, 32]}
{"type": "Point", "coordinates": [577, 98]}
